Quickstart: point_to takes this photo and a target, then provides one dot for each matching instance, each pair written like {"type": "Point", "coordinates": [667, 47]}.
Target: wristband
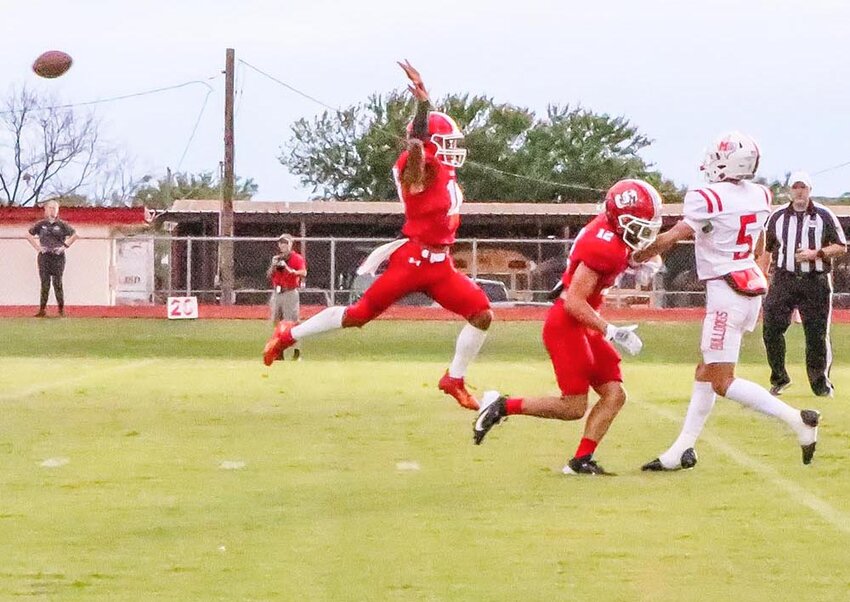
{"type": "Point", "coordinates": [820, 254]}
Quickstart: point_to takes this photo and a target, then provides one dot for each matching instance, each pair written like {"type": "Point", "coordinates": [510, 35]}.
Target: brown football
{"type": "Point", "coordinates": [52, 63]}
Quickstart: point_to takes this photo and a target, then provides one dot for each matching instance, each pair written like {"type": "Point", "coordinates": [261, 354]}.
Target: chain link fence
{"type": "Point", "coordinates": [148, 269]}
{"type": "Point", "coordinates": [519, 271]}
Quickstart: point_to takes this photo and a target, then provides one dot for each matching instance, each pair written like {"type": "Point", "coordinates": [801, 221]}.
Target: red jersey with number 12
{"type": "Point", "coordinates": [599, 248]}
{"type": "Point", "coordinates": [432, 216]}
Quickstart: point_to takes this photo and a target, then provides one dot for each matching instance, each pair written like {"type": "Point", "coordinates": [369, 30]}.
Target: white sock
{"type": "Point", "coordinates": [469, 343]}
{"type": "Point", "coordinates": [702, 401]}
{"type": "Point", "coordinates": [325, 320]}
{"type": "Point", "coordinates": [758, 398]}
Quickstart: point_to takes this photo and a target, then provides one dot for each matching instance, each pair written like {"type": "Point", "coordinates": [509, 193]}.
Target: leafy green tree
{"type": "Point", "coordinates": [349, 154]}
{"type": "Point", "coordinates": [161, 193]}
{"type": "Point", "coordinates": [572, 154]}
{"type": "Point", "coordinates": [778, 187]}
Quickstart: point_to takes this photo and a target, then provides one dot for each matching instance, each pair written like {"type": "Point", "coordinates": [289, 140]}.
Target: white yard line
{"type": "Point", "coordinates": [834, 517]}
{"type": "Point", "coordinates": [55, 384]}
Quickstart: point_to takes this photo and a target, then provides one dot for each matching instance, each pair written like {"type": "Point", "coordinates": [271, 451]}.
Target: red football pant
{"type": "Point", "coordinates": [409, 272]}
{"type": "Point", "coordinates": [581, 357]}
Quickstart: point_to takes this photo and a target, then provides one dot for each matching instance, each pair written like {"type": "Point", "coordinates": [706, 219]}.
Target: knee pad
{"type": "Point", "coordinates": [481, 319]}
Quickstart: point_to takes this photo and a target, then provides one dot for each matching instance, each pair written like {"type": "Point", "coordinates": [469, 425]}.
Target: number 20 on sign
{"type": "Point", "coordinates": [182, 308]}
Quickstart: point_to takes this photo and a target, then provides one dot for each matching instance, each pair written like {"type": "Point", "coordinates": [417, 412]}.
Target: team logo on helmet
{"type": "Point", "coordinates": [633, 208]}
{"type": "Point", "coordinates": [734, 156]}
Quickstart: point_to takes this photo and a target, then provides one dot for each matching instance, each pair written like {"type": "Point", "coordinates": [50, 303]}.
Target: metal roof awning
{"type": "Point", "coordinates": [359, 212]}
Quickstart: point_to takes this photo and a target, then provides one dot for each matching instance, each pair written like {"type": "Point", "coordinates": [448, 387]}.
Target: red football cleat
{"type": "Point", "coordinates": [456, 388]}
{"type": "Point", "coordinates": [281, 339]}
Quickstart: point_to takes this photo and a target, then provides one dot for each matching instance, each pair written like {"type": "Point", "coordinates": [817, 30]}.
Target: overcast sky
{"type": "Point", "coordinates": [681, 71]}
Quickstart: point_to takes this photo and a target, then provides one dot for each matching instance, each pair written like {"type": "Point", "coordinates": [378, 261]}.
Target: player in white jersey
{"type": "Point", "coordinates": [726, 220]}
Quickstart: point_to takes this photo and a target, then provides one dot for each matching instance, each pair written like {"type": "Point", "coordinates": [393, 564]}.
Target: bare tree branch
{"type": "Point", "coordinates": [46, 148]}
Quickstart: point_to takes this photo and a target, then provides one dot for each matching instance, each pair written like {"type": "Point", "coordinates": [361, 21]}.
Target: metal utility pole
{"type": "Point", "coordinates": [226, 221]}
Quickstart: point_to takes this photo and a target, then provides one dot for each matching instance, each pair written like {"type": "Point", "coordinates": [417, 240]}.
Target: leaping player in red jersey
{"type": "Point", "coordinates": [578, 339]}
{"type": "Point", "coordinates": [427, 183]}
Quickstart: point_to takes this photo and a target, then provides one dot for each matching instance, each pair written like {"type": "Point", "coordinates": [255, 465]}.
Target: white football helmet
{"type": "Point", "coordinates": [734, 156]}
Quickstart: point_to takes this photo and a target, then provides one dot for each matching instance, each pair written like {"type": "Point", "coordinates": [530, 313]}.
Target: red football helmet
{"type": "Point", "coordinates": [445, 136]}
{"type": "Point", "coordinates": [633, 208]}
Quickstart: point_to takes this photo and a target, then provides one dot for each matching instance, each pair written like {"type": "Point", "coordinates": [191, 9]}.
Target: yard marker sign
{"type": "Point", "coordinates": [182, 308]}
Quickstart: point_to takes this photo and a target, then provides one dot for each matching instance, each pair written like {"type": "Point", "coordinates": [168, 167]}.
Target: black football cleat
{"type": "Point", "coordinates": [654, 466]}
{"type": "Point", "coordinates": [584, 465]}
{"type": "Point", "coordinates": [777, 390]}
{"type": "Point", "coordinates": [689, 458]}
{"type": "Point", "coordinates": [687, 461]}
{"type": "Point", "coordinates": [811, 418]}
{"type": "Point", "coordinates": [491, 413]}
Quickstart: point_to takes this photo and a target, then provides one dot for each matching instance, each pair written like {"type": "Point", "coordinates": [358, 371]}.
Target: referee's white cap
{"type": "Point", "coordinates": [802, 177]}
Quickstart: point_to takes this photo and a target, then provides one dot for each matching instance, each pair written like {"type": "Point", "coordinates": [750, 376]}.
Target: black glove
{"type": "Point", "coordinates": [556, 292]}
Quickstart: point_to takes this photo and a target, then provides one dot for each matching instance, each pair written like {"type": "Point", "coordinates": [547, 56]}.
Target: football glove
{"type": "Point", "coordinates": [625, 337]}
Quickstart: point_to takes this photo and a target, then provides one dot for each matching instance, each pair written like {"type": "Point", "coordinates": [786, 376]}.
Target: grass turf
{"type": "Point", "coordinates": [330, 504]}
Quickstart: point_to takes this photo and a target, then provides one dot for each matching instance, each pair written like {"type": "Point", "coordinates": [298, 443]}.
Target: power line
{"type": "Point", "coordinates": [834, 167]}
{"type": "Point", "coordinates": [479, 165]}
{"type": "Point", "coordinates": [288, 86]}
{"type": "Point", "coordinates": [239, 77]}
{"type": "Point", "coordinates": [532, 179]}
{"type": "Point", "coordinates": [197, 123]}
{"type": "Point", "coordinates": [123, 96]}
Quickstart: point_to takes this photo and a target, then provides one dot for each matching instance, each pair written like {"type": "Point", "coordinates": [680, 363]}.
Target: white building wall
{"type": "Point", "coordinates": [87, 269]}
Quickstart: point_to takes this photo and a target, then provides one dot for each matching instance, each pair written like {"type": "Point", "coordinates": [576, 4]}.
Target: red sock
{"type": "Point", "coordinates": [513, 405]}
{"type": "Point", "coordinates": [586, 447]}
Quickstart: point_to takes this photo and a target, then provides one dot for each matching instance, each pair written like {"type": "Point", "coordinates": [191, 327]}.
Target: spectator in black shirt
{"type": "Point", "coordinates": [803, 238]}
{"type": "Point", "coordinates": [50, 237]}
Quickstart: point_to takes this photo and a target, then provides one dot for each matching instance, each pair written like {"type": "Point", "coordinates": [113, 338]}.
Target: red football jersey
{"type": "Point", "coordinates": [433, 215]}
{"type": "Point", "coordinates": [600, 249]}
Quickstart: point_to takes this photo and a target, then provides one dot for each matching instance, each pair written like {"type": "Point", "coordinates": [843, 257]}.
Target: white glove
{"type": "Point", "coordinates": [625, 337]}
{"type": "Point", "coordinates": [646, 271]}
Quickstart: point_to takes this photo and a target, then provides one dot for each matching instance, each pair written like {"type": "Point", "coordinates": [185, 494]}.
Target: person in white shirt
{"type": "Point", "coordinates": [726, 220]}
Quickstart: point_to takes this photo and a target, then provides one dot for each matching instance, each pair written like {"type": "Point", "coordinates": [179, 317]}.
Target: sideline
{"type": "Point", "coordinates": [504, 312]}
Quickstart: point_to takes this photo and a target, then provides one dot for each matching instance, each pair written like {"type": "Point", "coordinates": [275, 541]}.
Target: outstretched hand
{"type": "Point", "coordinates": [416, 87]}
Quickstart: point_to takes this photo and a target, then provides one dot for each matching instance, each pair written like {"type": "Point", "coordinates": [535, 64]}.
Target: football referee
{"type": "Point", "coordinates": [50, 237]}
{"type": "Point", "coordinates": [802, 237]}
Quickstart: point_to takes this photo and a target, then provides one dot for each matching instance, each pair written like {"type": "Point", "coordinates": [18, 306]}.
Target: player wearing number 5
{"type": "Point", "coordinates": [726, 220]}
{"type": "Point", "coordinates": [426, 177]}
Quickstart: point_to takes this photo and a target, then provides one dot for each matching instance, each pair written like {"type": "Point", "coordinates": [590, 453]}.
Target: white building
{"type": "Point", "coordinates": [106, 266]}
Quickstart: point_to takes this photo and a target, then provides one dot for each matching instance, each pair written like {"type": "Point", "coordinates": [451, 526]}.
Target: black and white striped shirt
{"type": "Point", "coordinates": [788, 231]}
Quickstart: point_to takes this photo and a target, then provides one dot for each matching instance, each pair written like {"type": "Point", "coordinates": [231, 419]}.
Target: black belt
{"type": "Point", "coordinates": [798, 275]}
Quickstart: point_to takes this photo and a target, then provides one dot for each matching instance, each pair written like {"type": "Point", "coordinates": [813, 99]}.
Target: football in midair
{"type": "Point", "coordinates": [52, 63]}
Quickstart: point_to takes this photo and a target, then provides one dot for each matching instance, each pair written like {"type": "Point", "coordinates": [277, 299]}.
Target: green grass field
{"type": "Point", "coordinates": [180, 468]}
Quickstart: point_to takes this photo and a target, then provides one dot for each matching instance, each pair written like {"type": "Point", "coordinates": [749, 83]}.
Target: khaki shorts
{"type": "Point", "coordinates": [285, 305]}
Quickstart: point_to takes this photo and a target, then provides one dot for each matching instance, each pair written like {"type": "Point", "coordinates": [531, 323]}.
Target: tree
{"type": "Point", "coordinates": [574, 146]}
{"type": "Point", "coordinates": [570, 154]}
{"type": "Point", "coordinates": [349, 154]}
{"type": "Point", "coordinates": [46, 149]}
{"type": "Point", "coordinates": [160, 194]}
{"type": "Point", "coordinates": [778, 188]}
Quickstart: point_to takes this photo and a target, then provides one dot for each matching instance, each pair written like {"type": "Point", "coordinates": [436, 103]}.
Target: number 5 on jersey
{"type": "Point", "coordinates": [745, 237]}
